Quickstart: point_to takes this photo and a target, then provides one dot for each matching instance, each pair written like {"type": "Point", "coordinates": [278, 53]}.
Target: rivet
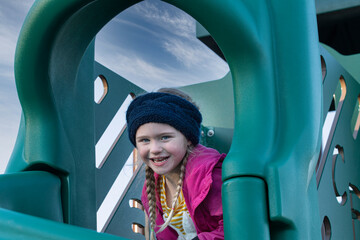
{"type": "Point", "coordinates": [210, 133]}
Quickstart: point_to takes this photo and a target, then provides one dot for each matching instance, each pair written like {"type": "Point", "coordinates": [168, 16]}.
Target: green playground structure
{"type": "Point", "coordinates": [280, 179]}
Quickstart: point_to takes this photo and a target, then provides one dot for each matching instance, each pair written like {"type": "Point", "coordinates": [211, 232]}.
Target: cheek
{"type": "Point", "coordinates": [178, 149]}
{"type": "Point", "coordinates": [142, 152]}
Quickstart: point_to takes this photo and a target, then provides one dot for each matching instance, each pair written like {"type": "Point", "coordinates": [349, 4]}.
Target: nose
{"type": "Point", "coordinates": [155, 147]}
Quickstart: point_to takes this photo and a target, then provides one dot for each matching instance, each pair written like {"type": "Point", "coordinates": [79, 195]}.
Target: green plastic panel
{"type": "Point", "coordinates": [123, 216]}
{"type": "Point", "coordinates": [35, 193]}
{"type": "Point", "coordinates": [216, 106]}
{"type": "Point", "coordinates": [338, 169]}
{"type": "Point", "coordinates": [118, 89]}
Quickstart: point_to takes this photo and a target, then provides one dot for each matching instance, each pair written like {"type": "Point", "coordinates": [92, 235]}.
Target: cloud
{"type": "Point", "coordinates": [8, 44]}
{"type": "Point", "coordinates": [134, 25]}
{"type": "Point", "coordinates": [193, 53]}
{"type": "Point", "coordinates": [167, 17]}
{"type": "Point", "coordinates": [180, 40]}
{"type": "Point", "coordinates": [150, 77]}
{"type": "Point", "coordinates": [194, 63]}
{"type": "Point", "coordinates": [10, 112]}
{"type": "Point", "coordinates": [176, 58]}
{"type": "Point", "coordinates": [137, 70]}
{"type": "Point", "coordinates": [12, 15]}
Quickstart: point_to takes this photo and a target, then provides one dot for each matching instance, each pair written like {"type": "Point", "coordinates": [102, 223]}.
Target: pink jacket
{"type": "Point", "coordinates": [202, 193]}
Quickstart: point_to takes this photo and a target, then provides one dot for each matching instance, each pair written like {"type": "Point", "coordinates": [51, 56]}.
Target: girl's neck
{"type": "Point", "coordinates": [171, 183]}
{"type": "Point", "coordinates": [172, 180]}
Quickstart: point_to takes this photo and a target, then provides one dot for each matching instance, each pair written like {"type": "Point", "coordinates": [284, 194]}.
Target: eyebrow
{"type": "Point", "coordinates": [141, 137]}
{"type": "Point", "coordinates": [158, 134]}
{"type": "Point", "coordinates": [167, 133]}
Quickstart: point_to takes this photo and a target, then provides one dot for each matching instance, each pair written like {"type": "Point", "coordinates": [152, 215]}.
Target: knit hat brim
{"type": "Point", "coordinates": [164, 108]}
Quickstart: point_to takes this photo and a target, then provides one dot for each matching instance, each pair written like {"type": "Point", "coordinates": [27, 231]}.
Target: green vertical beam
{"type": "Point", "coordinates": [272, 51]}
{"type": "Point", "coordinates": [248, 218]}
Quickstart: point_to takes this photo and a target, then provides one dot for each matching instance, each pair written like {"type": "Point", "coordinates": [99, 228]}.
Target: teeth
{"type": "Point", "coordinates": [159, 159]}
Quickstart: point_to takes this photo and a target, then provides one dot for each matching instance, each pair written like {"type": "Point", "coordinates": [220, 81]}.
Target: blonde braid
{"type": "Point", "coordinates": [178, 190]}
{"type": "Point", "coordinates": [151, 195]}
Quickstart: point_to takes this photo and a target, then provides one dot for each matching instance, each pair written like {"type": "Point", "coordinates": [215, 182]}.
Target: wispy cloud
{"type": "Point", "coordinates": [193, 53]}
{"type": "Point", "coordinates": [8, 43]}
{"type": "Point", "coordinates": [180, 59]}
{"type": "Point", "coordinates": [136, 69]}
{"type": "Point", "coordinates": [10, 112]}
{"type": "Point", "coordinates": [134, 25]}
{"type": "Point", "coordinates": [149, 76]}
{"type": "Point", "coordinates": [168, 17]}
{"type": "Point", "coordinates": [9, 126]}
{"type": "Point", "coordinates": [12, 15]}
{"type": "Point", "coordinates": [181, 42]}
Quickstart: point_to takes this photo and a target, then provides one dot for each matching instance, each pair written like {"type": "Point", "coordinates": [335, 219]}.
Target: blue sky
{"type": "Point", "coordinates": [159, 47]}
{"type": "Point", "coordinates": [152, 44]}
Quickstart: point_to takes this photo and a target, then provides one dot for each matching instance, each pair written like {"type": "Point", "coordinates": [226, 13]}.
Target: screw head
{"type": "Point", "coordinates": [210, 133]}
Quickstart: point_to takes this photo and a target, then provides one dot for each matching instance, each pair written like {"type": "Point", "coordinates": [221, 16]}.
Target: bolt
{"type": "Point", "coordinates": [210, 133]}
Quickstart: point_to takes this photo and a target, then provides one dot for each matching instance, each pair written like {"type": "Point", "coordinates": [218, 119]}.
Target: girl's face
{"type": "Point", "coordinates": [161, 147]}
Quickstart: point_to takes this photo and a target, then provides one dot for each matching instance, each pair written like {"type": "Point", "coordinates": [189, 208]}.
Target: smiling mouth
{"type": "Point", "coordinates": [159, 159]}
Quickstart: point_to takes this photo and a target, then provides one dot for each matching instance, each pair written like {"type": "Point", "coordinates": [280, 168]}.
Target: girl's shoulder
{"type": "Point", "coordinates": [204, 159]}
{"type": "Point", "coordinates": [202, 176]}
{"type": "Point", "coordinates": [204, 155]}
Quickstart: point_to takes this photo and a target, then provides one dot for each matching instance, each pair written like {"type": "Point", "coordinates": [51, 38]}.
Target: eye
{"type": "Point", "coordinates": [165, 137]}
{"type": "Point", "coordinates": [143, 140]}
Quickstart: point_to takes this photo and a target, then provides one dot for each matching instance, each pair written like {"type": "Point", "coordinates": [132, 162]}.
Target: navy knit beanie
{"type": "Point", "coordinates": [157, 107]}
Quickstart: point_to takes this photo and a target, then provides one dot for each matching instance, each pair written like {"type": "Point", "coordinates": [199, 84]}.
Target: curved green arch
{"type": "Point", "coordinates": [272, 51]}
{"type": "Point", "coordinates": [53, 40]}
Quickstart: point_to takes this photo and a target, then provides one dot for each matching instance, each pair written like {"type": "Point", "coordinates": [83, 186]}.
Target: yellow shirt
{"type": "Point", "coordinates": [181, 214]}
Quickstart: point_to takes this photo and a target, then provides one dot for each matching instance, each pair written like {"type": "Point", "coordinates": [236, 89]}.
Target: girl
{"type": "Point", "coordinates": [182, 191]}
